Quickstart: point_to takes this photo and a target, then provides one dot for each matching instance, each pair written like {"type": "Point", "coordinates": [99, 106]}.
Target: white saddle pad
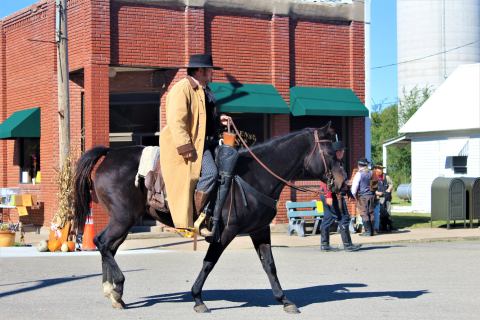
{"type": "Point", "coordinates": [148, 162]}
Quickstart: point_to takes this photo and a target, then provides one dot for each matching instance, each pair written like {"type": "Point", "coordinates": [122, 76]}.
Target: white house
{"type": "Point", "coordinates": [445, 134]}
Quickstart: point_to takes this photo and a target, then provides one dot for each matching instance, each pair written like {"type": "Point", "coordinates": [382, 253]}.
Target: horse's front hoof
{"type": "Point", "coordinates": [291, 308]}
{"type": "Point", "coordinates": [118, 304]}
{"type": "Point", "coordinates": [201, 308]}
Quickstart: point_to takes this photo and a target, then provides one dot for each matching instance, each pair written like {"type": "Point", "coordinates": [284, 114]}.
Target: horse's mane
{"type": "Point", "coordinates": [274, 142]}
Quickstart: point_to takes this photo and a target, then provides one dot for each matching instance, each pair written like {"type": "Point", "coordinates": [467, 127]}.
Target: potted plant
{"type": "Point", "coordinates": [7, 234]}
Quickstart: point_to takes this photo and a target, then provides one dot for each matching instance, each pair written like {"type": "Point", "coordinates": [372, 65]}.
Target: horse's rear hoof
{"type": "Point", "coordinates": [201, 308]}
{"type": "Point", "coordinates": [291, 308]}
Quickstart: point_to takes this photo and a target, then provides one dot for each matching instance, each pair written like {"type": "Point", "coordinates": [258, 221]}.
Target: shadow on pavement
{"type": "Point", "coordinates": [264, 297]}
{"type": "Point", "coordinates": [373, 247]}
{"type": "Point", "coordinates": [43, 283]}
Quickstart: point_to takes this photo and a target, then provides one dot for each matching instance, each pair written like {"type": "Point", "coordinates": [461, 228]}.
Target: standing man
{"type": "Point", "coordinates": [383, 199]}
{"type": "Point", "coordinates": [364, 193]}
{"type": "Point", "coordinates": [335, 208]}
{"type": "Point", "coordinates": [187, 143]}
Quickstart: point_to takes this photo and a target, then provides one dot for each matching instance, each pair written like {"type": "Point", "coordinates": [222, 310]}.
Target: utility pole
{"type": "Point", "coordinates": [63, 80]}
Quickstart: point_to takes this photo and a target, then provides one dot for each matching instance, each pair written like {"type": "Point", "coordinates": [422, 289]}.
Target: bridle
{"type": "Point", "coordinates": [308, 159]}
{"type": "Point", "coordinates": [317, 146]}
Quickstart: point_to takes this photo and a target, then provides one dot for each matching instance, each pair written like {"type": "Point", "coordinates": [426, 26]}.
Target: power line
{"type": "Point", "coordinates": [425, 57]}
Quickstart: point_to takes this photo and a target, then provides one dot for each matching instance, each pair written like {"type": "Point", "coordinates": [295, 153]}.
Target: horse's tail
{"type": "Point", "coordinates": [84, 184]}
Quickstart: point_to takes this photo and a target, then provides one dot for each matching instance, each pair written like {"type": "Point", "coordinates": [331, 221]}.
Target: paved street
{"type": "Point", "coordinates": [399, 281]}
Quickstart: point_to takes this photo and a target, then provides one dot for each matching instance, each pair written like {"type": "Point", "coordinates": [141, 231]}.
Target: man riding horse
{"type": "Point", "coordinates": [187, 144]}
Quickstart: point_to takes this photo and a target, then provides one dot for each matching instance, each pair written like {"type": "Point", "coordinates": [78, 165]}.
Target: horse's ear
{"type": "Point", "coordinates": [325, 130]}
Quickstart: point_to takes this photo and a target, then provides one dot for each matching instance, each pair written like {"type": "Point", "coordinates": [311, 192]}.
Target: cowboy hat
{"type": "Point", "coordinates": [202, 61]}
{"type": "Point", "coordinates": [363, 162]}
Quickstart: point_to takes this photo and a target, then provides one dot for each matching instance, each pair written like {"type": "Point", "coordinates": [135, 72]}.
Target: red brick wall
{"type": "Point", "coordinates": [321, 54]}
{"type": "Point", "coordinates": [241, 45]}
{"type": "Point", "coordinates": [251, 48]}
{"type": "Point", "coordinates": [147, 35]}
{"type": "Point", "coordinates": [3, 103]}
{"type": "Point", "coordinates": [27, 76]}
{"type": "Point", "coordinates": [77, 33]}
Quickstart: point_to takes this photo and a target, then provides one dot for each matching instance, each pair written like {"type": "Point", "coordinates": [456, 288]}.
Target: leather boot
{"type": "Point", "coordinates": [200, 199]}
{"type": "Point", "coordinates": [347, 241]}
{"type": "Point", "coordinates": [226, 159]}
{"type": "Point", "coordinates": [325, 242]}
{"type": "Point", "coordinates": [367, 229]}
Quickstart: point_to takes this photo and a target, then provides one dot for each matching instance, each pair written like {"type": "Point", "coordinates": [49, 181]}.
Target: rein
{"type": "Point", "coordinates": [289, 184]}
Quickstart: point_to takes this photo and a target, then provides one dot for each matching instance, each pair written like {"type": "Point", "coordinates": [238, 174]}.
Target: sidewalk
{"type": "Point", "coordinates": [172, 241]}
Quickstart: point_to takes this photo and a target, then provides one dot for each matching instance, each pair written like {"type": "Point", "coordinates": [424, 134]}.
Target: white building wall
{"type": "Point", "coordinates": [429, 160]}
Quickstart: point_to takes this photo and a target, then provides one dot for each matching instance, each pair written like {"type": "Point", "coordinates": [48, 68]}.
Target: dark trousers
{"type": "Point", "coordinates": [338, 211]}
{"type": "Point", "coordinates": [365, 207]}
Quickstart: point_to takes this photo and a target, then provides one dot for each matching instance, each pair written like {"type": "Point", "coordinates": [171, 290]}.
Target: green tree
{"type": "Point", "coordinates": [385, 125]}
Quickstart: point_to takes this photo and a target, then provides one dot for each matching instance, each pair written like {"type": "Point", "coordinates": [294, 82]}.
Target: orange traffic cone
{"type": "Point", "coordinates": [88, 233]}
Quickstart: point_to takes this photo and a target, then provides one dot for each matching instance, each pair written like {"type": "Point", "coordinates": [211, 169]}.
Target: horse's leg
{"type": "Point", "coordinates": [262, 242]}
{"type": "Point", "coordinates": [214, 252]}
{"type": "Point", "coordinates": [107, 281]}
{"type": "Point", "coordinates": [107, 244]}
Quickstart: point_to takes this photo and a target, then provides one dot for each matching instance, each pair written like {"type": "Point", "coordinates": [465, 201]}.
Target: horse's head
{"type": "Point", "coordinates": [321, 162]}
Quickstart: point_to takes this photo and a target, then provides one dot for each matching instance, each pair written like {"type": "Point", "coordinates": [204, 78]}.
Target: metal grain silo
{"type": "Point", "coordinates": [438, 35]}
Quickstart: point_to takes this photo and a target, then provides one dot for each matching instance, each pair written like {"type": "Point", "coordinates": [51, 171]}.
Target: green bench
{"type": "Point", "coordinates": [298, 211]}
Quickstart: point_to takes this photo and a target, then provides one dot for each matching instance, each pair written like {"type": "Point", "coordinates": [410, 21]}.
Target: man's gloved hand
{"type": "Point", "coordinates": [189, 156]}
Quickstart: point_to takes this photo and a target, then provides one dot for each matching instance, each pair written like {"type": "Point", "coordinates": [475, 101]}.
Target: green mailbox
{"type": "Point", "coordinates": [448, 200]}
{"type": "Point", "coordinates": [472, 188]}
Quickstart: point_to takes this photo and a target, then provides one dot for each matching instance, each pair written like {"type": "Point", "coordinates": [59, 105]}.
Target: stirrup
{"type": "Point", "coordinates": [196, 226]}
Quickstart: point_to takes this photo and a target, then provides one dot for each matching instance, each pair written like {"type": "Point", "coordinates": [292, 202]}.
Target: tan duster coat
{"type": "Point", "coordinates": [185, 131]}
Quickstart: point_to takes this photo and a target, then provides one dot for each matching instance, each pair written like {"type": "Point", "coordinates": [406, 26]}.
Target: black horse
{"type": "Point", "coordinates": [249, 208]}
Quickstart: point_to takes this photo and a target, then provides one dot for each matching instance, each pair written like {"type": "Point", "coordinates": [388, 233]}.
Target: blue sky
{"type": "Point", "coordinates": [383, 46]}
{"type": "Point", "coordinates": [10, 6]}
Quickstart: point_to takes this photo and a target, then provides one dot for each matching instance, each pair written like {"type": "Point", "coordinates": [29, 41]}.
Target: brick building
{"type": "Point", "coordinates": [125, 54]}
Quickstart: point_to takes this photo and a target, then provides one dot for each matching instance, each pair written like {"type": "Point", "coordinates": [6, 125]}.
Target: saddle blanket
{"type": "Point", "coordinates": [148, 162]}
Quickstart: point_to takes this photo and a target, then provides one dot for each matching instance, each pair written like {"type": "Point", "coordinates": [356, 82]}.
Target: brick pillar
{"type": "Point", "coordinates": [357, 83]}
{"type": "Point", "coordinates": [280, 124]}
{"type": "Point", "coordinates": [96, 85]}
{"type": "Point", "coordinates": [194, 31]}
{"type": "Point", "coordinates": [357, 59]}
{"type": "Point", "coordinates": [97, 123]}
{"type": "Point", "coordinates": [3, 106]}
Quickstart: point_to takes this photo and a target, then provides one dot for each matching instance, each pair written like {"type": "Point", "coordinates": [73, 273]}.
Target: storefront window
{"type": "Point", "coordinates": [29, 159]}
{"type": "Point", "coordinates": [134, 119]}
{"type": "Point", "coordinates": [253, 123]}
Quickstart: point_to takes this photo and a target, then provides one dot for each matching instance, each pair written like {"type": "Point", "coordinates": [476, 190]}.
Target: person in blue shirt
{"type": "Point", "coordinates": [364, 192]}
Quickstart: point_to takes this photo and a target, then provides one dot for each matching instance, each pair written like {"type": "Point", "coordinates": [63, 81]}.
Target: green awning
{"type": "Point", "coordinates": [314, 101]}
{"type": "Point", "coordinates": [21, 124]}
{"type": "Point", "coordinates": [248, 98]}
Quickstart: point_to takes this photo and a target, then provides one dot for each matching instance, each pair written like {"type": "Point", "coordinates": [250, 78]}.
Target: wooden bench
{"type": "Point", "coordinates": [298, 211]}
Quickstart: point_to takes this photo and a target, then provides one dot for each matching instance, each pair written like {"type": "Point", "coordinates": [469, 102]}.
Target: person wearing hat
{"type": "Point", "coordinates": [364, 192]}
{"type": "Point", "coordinates": [187, 143]}
{"type": "Point", "coordinates": [383, 198]}
{"type": "Point", "coordinates": [335, 208]}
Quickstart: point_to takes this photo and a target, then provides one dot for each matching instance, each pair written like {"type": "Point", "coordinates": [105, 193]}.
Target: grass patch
{"type": "Point", "coordinates": [412, 220]}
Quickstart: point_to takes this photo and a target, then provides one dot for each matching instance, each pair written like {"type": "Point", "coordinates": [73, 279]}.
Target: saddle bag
{"type": "Point", "coordinates": [156, 195]}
